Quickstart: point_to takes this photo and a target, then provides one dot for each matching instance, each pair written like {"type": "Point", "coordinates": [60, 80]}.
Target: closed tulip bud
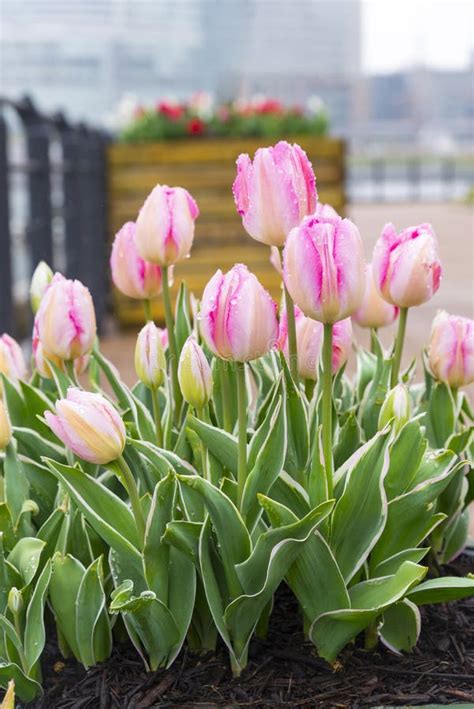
{"type": "Point", "coordinates": [397, 406]}
{"type": "Point", "coordinates": [374, 311]}
{"type": "Point", "coordinates": [41, 279]}
{"type": "Point", "coordinates": [12, 362]}
{"type": "Point", "coordinates": [325, 210]}
{"type": "Point", "coordinates": [324, 268]}
{"type": "Point", "coordinates": [238, 317]}
{"type": "Point", "coordinates": [274, 192]}
{"type": "Point", "coordinates": [5, 426]}
{"type": "Point", "coordinates": [165, 225]}
{"type": "Point", "coordinates": [42, 359]}
{"type": "Point", "coordinates": [194, 374]}
{"type": "Point", "coordinates": [309, 337]}
{"type": "Point", "coordinates": [15, 601]}
{"type": "Point", "coordinates": [132, 275]}
{"type": "Point", "coordinates": [406, 266]}
{"type": "Point", "coordinates": [451, 349]}
{"type": "Point", "coordinates": [89, 426]}
{"type": "Point", "coordinates": [150, 361]}
{"type": "Point", "coordinates": [66, 319]}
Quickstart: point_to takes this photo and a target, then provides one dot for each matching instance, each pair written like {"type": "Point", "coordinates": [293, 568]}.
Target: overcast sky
{"type": "Point", "coordinates": [399, 33]}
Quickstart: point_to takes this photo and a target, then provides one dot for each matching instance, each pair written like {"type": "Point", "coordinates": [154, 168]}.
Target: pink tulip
{"type": "Point", "coordinates": [238, 317]}
{"type": "Point", "coordinates": [66, 319]}
{"type": "Point", "coordinates": [132, 275]}
{"type": "Point", "coordinates": [274, 192]}
{"type": "Point", "coordinates": [406, 266]}
{"type": "Point", "coordinates": [324, 268]}
{"type": "Point", "coordinates": [12, 362]}
{"type": "Point", "coordinates": [374, 311]}
{"type": "Point", "coordinates": [451, 349]}
{"type": "Point", "coordinates": [324, 210]}
{"type": "Point", "coordinates": [309, 337]}
{"type": "Point", "coordinates": [41, 358]}
{"type": "Point", "coordinates": [89, 425]}
{"type": "Point", "coordinates": [165, 225]}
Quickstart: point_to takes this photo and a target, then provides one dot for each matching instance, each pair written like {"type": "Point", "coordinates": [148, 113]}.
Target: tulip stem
{"type": "Point", "coordinates": [147, 308]}
{"type": "Point", "coordinates": [157, 416]}
{"type": "Point", "coordinates": [242, 428]}
{"type": "Point", "coordinates": [292, 343]}
{"type": "Point", "coordinates": [225, 392]}
{"type": "Point", "coordinates": [128, 481]}
{"type": "Point", "coordinates": [397, 355]}
{"type": "Point", "coordinates": [327, 408]}
{"type": "Point", "coordinates": [201, 414]}
{"type": "Point", "coordinates": [173, 350]}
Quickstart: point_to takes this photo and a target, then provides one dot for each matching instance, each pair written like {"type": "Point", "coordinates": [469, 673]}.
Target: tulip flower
{"type": "Point", "coordinates": [374, 311]}
{"type": "Point", "coordinates": [66, 320]}
{"type": "Point", "coordinates": [274, 192]}
{"type": "Point", "coordinates": [407, 272]}
{"type": "Point", "coordinates": [451, 349]}
{"type": "Point", "coordinates": [309, 334]}
{"type": "Point", "coordinates": [5, 426]}
{"type": "Point", "coordinates": [40, 281]}
{"type": "Point", "coordinates": [131, 274]}
{"type": "Point", "coordinates": [90, 426]}
{"type": "Point", "coordinates": [238, 316]}
{"type": "Point", "coordinates": [165, 225]}
{"type": "Point", "coordinates": [42, 359]}
{"type": "Point", "coordinates": [397, 406]}
{"type": "Point", "coordinates": [12, 362]}
{"type": "Point", "coordinates": [150, 362]}
{"type": "Point", "coordinates": [194, 373]}
{"type": "Point", "coordinates": [324, 268]}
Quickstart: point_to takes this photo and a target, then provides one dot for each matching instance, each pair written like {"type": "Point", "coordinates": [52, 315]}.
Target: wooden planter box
{"type": "Point", "coordinates": [206, 167]}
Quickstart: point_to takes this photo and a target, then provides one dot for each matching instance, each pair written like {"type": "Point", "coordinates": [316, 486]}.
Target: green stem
{"type": "Point", "coordinates": [70, 371]}
{"type": "Point", "coordinates": [397, 355]}
{"type": "Point", "coordinates": [225, 389]}
{"type": "Point", "coordinates": [373, 335]}
{"type": "Point", "coordinates": [157, 416]}
{"type": "Point", "coordinates": [242, 429]}
{"type": "Point", "coordinates": [173, 350]}
{"type": "Point", "coordinates": [147, 309]}
{"type": "Point", "coordinates": [128, 481]}
{"type": "Point", "coordinates": [371, 636]}
{"type": "Point", "coordinates": [327, 407]}
{"type": "Point", "coordinates": [292, 343]}
{"type": "Point", "coordinates": [309, 386]}
{"type": "Point", "coordinates": [201, 414]}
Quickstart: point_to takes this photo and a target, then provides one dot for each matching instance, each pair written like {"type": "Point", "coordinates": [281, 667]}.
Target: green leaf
{"type": "Point", "coordinates": [456, 536]}
{"type": "Point", "coordinates": [366, 368]}
{"type": "Point", "coordinates": [15, 404]}
{"type": "Point", "coordinates": [221, 444]}
{"type": "Point", "coordinates": [401, 626]}
{"type": "Point", "coordinates": [182, 594]}
{"type": "Point", "coordinates": [105, 512]}
{"type": "Point", "coordinates": [63, 589]}
{"type": "Point", "coordinates": [297, 450]}
{"type": "Point", "coordinates": [182, 320]}
{"type": "Point", "coordinates": [360, 513]}
{"type": "Point", "coordinates": [442, 413]}
{"type": "Point", "coordinates": [25, 687]}
{"type": "Point", "coordinates": [375, 396]}
{"type": "Point", "coordinates": [25, 557]}
{"type": "Point", "coordinates": [349, 440]}
{"type": "Point", "coordinates": [442, 590]}
{"type": "Point", "coordinates": [156, 556]}
{"type": "Point", "coordinates": [406, 454]}
{"type": "Point", "coordinates": [290, 493]}
{"type": "Point", "coordinates": [392, 564]}
{"type": "Point", "coordinates": [43, 486]}
{"type": "Point", "coordinates": [34, 626]}
{"type": "Point", "coordinates": [16, 484]}
{"type": "Point", "coordinates": [331, 631]}
{"type": "Point", "coordinates": [33, 445]}
{"type": "Point", "coordinates": [184, 535]}
{"type": "Point", "coordinates": [93, 632]}
{"type": "Point", "coordinates": [162, 459]}
{"type": "Point", "coordinates": [36, 403]}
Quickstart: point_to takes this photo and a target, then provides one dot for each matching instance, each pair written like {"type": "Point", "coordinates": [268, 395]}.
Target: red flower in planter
{"type": "Point", "coordinates": [195, 127]}
{"type": "Point", "coordinates": [172, 111]}
{"type": "Point", "coordinates": [270, 106]}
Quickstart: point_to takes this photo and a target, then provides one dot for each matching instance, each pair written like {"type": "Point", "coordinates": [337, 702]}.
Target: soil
{"type": "Point", "coordinates": [283, 671]}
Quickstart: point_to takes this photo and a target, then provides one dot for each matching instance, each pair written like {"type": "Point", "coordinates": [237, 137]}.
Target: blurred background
{"type": "Point", "coordinates": [86, 84]}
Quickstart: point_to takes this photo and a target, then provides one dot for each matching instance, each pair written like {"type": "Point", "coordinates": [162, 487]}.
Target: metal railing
{"type": "Point", "coordinates": [52, 205]}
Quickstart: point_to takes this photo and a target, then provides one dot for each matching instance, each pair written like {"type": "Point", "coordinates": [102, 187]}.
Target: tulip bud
{"type": "Point", "coordinates": [150, 361]}
{"type": "Point", "coordinates": [396, 406]}
{"type": "Point", "coordinates": [5, 426]}
{"type": "Point", "coordinates": [406, 266]}
{"type": "Point", "coordinates": [165, 225]}
{"type": "Point", "coordinates": [41, 359]}
{"type": "Point", "coordinates": [15, 601]}
{"type": "Point", "coordinates": [274, 192]}
{"type": "Point", "coordinates": [89, 425]}
{"type": "Point", "coordinates": [194, 374]}
{"type": "Point", "coordinates": [66, 319]}
{"type": "Point", "coordinates": [309, 338]}
{"type": "Point", "coordinates": [12, 362]}
{"type": "Point", "coordinates": [374, 311]}
{"type": "Point", "coordinates": [451, 349]}
{"type": "Point", "coordinates": [324, 268]}
{"type": "Point", "coordinates": [238, 317]}
{"type": "Point", "coordinates": [132, 275]}
{"type": "Point", "coordinates": [40, 281]}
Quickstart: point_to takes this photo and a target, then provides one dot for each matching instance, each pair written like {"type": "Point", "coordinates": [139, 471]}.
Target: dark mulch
{"type": "Point", "coordinates": [283, 671]}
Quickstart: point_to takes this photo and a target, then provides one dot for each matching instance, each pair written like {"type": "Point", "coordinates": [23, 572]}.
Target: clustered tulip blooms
{"type": "Point", "coordinates": [240, 471]}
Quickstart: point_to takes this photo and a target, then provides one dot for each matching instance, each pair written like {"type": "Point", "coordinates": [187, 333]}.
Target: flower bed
{"type": "Point", "coordinates": [244, 460]}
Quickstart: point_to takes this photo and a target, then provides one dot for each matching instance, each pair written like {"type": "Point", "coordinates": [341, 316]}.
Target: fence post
{"type": "Point", "coordinates": [6, 280]}
{"type": "Point", "coordinates": [71, 203]}
{"type": "Point", "coordinates": [39, 230]}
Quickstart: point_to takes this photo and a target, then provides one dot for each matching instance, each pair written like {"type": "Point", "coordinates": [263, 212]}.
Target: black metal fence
{"type": "Point", "coordinates": [52, 206]}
